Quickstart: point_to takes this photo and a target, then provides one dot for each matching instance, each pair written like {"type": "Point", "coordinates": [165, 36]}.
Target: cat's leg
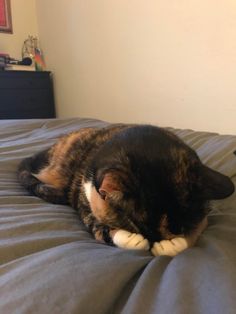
{"type": "Point", "coordinates": [47, 192]}
{"type": "Point", "coordinates": [100, 231]}
{"type": "Point", "coordinates": [119, 237]}
{"type": "Point", "coordinates": [128, 240]}
{"type": "Point", "coordinates": [170, 247]}
{"type": "Point", "coordinates": [42, 190]}
{"type": "Point", "coordinates": [29, 176]}
{"type": "Point", "coordinates": [178, 244]}
{"type": "Point", "coordinates": [50, 193]}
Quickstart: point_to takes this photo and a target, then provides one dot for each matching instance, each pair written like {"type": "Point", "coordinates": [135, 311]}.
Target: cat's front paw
{"type": "Point", "coordinates": [128, 240]}
{"type": "Point", "coordinates": [169, 247]}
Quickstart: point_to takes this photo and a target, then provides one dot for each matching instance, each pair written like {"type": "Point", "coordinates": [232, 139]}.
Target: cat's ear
{"type": "Point", "coordinates": [111, 185]}
{"type": "Point", "coordinates": [215, 184]}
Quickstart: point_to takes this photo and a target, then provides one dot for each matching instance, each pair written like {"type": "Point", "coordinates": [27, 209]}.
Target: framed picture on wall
{"type": "Point", "coordinates": [5, 16]}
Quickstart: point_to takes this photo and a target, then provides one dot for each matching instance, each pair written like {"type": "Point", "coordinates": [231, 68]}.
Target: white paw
{"type": "Point", "coordinates": [169, 247]}
{"type": "Point", "coordinates": [127, 240]}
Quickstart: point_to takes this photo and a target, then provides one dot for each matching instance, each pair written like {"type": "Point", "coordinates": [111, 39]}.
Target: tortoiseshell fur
{"type": "Point", "coordinates": [141, 175]}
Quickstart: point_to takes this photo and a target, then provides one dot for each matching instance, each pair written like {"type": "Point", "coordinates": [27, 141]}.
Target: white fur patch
{"type": "Point", "coordinates": [170, 247]}
{"type": "Point", "coordinates": [88, 190]}
{"type": "Point", "coordinates": [127, 240]}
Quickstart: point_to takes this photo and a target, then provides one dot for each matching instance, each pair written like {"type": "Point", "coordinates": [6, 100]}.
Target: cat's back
{"type": "Point", "coordinates": [78, 146]}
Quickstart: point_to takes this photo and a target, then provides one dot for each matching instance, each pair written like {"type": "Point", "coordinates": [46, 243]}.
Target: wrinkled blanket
{"type": "Point", "coordinates": [49, 263]}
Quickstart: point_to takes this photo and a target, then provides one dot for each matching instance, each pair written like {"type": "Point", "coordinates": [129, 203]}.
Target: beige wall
{"type": "Point", "coordinates": [166, 62]}
{"type": "Point", "coordinates": [24, 24]}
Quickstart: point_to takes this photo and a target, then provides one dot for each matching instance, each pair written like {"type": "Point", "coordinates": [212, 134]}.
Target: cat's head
{"type": "Point", "coordinates": [146, 180]}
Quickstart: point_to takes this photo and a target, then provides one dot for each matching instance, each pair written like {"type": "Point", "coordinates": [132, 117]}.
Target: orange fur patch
{"type": "Point", "coordinates": [98, 206]}
{"type": "Point", "coordinates": [50, 177]}
{"type": "Point", "coordinates": [60, 150]}
{"type": "Point", "coordinates": [53, 174]}
{"type": "Point", "coordinates": [165, 233]}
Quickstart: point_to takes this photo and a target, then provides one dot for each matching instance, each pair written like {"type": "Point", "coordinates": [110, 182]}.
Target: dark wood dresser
{"type": "Point", "coordinates": [26, 95]}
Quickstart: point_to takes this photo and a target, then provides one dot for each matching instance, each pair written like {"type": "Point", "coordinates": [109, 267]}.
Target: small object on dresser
{"type": "Point", "coordinates": [39, 61]}
{"type": "Point", "coordinates": [18, 67]}
{"type": "Point", "coordinates": [26, 64]}
{"type": "Point", "coordinates": [9, 64]}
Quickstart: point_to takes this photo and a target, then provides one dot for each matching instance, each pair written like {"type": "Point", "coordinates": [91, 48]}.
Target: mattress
{"type": "Point", "coordinates": [51, 264]}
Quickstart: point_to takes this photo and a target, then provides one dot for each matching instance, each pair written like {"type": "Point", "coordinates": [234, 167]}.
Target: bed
{"type": "Point", "coordinates": [51, 264]}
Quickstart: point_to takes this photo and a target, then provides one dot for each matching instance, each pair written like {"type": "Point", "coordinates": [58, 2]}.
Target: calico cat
{"type": "Point", "coordinates": [135, 186]}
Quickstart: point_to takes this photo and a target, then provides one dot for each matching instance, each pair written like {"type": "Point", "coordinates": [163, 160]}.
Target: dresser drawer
{"type": "Point", "coordinates": [26, 95]}
{"type": "Point", "coordinates": [19, 80]}
{"type": "Point", "coordinates": [30, 104]}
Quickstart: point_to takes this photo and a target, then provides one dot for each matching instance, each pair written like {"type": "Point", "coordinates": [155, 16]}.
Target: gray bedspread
{"type": "Point", "coordinates": [51, 264]}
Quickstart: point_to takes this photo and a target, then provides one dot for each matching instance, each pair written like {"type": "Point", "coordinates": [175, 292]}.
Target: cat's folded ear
{"type": "Point", "coordinates": [215, 184]}
{"type": "Point", "coordinates": [111, 185]}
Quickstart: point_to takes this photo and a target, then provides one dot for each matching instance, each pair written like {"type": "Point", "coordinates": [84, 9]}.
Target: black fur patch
{"type": "Point", "coordinates": [152, 174]}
